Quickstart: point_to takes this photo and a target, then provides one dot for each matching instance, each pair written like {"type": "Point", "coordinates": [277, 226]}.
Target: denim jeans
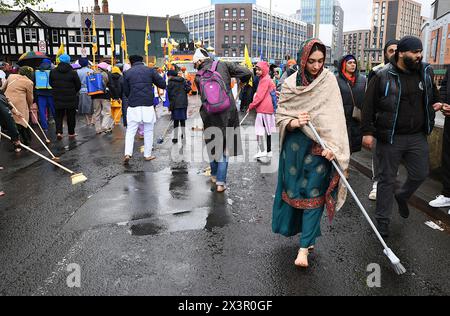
{"type": "Point", "coordinates": [220, 170]}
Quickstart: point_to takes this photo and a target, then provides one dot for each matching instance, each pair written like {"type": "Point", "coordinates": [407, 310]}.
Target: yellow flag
{"type": "Point", "coordinates": [61, 51]}
{"type": "Point", "coordinates": [168, 28]}
{"type": "Point", "coordinates": [123, 43]}
{"type": "Point", "coordinates": [248, 64]}
{"type": "Point", "coordinates": [111, 32]}
{"type": "Point", "coordinates": [94, 37]}
{"type": "Point", "coordinates": [148, 38]}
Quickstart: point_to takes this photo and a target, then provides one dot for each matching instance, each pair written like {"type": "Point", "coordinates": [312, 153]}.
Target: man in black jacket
{"type": "Point", "coordinates": [399, 111]}
{"type": "Point", "coordinates": [444, 199]}
{"type": "Point", "coordinates": [138, 88]}
{"type": "Point", "coordinates": [66, 85]}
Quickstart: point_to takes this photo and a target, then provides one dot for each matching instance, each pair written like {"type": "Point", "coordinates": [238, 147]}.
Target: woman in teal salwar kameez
{"type": "Point", "coordinates": [306, 181]}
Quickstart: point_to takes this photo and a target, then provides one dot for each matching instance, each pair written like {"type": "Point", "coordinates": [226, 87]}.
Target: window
{"type": "Point", "coordinates": [74, 37]}
{"type": "Point", "coordinates": [242, 53]}
{"type": "Point", "coordinates": [226, 53]}
{"type": "Point", "coordinates": [242, 12]}
{"type": "Point", "coordinates": [242, 39]}
{"type": "Point", "coordinates": [227, 13]}
{"type": "Point", "coordinates": [234, 53]}
{"type": "Point", "coordinates": [234, 40]}
{"type": "Point", "coordinates": [242, 26]}
{"type": "Point", "coordinates": [55, 36]}
{"type": "Point", "coordinates": [12, 35]}
{"type": "Point", "coordinates": [227, 26]}
{"type": "Point", "coordinates": [234, 13]}
{"type": "Point", "coordinates": [30, 35]}
{"type": "Point", "coordinates": [234, 26]}
{"type": "Point", "coordinates": [227, 40]}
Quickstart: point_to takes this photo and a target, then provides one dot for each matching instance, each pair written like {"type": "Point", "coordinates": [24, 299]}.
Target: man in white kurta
{"type": "Point", "coordinates": [138, 88]}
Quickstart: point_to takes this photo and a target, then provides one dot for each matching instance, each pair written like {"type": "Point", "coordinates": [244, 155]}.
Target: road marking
{"type": "Point", "coordinates": [60, 268]}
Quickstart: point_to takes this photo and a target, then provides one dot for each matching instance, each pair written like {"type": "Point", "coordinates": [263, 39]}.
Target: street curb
{"type": "Point", "coordinates": [417, 201]}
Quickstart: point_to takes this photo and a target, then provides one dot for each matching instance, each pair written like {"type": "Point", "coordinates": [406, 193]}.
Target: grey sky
{"type": "Point", "coordinates": [357, 12]}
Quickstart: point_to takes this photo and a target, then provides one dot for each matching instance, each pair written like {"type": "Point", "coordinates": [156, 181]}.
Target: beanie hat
{"type": "Point", "coordinates": [64, 59]}
{"type": "Point", "coordinates": [348, 58]}
{"type": "Point", "coordinates": [409, 43]}
{"type": "Point", "coordinates": [390, 43]}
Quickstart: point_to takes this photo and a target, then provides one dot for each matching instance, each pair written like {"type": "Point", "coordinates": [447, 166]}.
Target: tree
{"type": "Point", "coordinates": [6, 5]}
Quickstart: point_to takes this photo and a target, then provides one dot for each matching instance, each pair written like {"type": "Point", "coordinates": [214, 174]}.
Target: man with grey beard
{"type": "Point", "coordinates": [399, 111]}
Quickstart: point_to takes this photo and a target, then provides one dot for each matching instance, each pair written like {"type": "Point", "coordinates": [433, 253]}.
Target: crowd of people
{"type": "Point", "coordinates": [390, 111]}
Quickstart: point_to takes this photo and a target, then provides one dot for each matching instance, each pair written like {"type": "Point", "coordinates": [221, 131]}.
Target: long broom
{"type": "Point", "coordinates": [40, 127]}
{"type": "Point", "coordinates": [395, 261]}
{"type": "Point", "coordinates": [54, 158]}
{"type": "Point", "coordinates": [76, 177]}
{"type": "Point", "coordinates": [161, 138]}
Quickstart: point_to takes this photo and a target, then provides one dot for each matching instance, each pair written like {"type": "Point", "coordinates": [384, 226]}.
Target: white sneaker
{"type": "Point", "coordinates": [373, 195]}
{"type": "Point", "coordinates": [270, 155]}
{"type": "Point", "coordinates": [441, 201]}
{"type": "Point", "coordinates": [260, 155]}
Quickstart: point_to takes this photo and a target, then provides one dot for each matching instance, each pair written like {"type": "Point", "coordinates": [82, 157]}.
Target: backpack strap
{"type": "Point", "coordinates": [214, 66]}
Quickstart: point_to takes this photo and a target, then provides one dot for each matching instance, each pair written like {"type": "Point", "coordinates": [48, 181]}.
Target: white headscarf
{"type": "Point", "coordinates": [200, 55]}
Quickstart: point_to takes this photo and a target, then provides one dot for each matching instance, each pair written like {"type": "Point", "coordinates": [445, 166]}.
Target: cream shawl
{"type": "Point", "coordinates": [322, 100]}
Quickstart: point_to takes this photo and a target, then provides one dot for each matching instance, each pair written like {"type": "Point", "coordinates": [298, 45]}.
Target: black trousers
{"type": "Point", "coordinates": [446, 159]}
{"type": "Point", "coordinates": [414, 151]}
{"type": "Point", "coordinates": [25, 134]}
{"type": "Point", "coordinates": [71, 115]}
{"type": "Point", "coordinates": [7, 122]}
{"type": "Point", "coordinates": [176, 125]}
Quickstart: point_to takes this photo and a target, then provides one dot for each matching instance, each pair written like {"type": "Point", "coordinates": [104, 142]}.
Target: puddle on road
{"type": "Point", "coordinates": [172, 200]}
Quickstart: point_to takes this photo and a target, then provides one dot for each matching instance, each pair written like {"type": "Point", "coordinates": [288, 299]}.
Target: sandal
{"type": "Point", "coordinates": [302, 258]}
{"type": "Point", "coordinates": [221, 189]}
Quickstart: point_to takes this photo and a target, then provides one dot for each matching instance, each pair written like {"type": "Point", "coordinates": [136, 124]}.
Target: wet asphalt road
{"type": "Point", "coordinates": [157, 229]}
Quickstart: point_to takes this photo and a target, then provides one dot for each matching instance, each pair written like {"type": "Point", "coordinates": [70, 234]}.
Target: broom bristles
{"type": "Point", "coordinates": [395, 261]}
{"type": "Point", "coordinates": [78, 178]}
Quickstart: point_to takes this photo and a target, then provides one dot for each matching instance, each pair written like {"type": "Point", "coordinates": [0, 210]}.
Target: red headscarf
{"type": "Point", "coordinates": [351, 78]}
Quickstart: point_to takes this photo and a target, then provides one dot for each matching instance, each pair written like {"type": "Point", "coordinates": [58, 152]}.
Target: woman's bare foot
{"type": "Point", "coordinates": [2, 193]}
{"type": "Point", "coordinates": [221, 188]}
{"type": "Point", "coordinates": [302, 258]}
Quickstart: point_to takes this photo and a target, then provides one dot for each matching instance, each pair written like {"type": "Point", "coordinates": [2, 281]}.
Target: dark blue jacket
{"type": "Point", "coordinates": [138, 85]}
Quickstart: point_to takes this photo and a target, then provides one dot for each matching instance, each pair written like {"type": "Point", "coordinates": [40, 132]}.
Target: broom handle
{"type": "Point", "coordinates": [42, 156]}
{"type": "Point", "coordinates": [349, 187]}
{"type": "Point", "coordinates": [32, 130]}
{"type": "Point", "coordinates": [40, 127]}
{"type": "Point", "coordinates": [245, 117]}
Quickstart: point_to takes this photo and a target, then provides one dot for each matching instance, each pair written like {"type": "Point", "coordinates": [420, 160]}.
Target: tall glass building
{"type": "Point", "coordinates": [308, 11]}
{"type": "Point", "coordinates": [331, 23]}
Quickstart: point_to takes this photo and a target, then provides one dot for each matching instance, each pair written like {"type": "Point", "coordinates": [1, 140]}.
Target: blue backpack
{"type": "Point", "coordinates": [274, 97]}
{"type": "Point", "coordinates": [95, 84]}
{"type": "Point", "coordinates": [43, 80]}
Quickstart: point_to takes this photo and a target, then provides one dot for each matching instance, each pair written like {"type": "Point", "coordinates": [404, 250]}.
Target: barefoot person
{"type": "Point", "coordinates": [306, 182]}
